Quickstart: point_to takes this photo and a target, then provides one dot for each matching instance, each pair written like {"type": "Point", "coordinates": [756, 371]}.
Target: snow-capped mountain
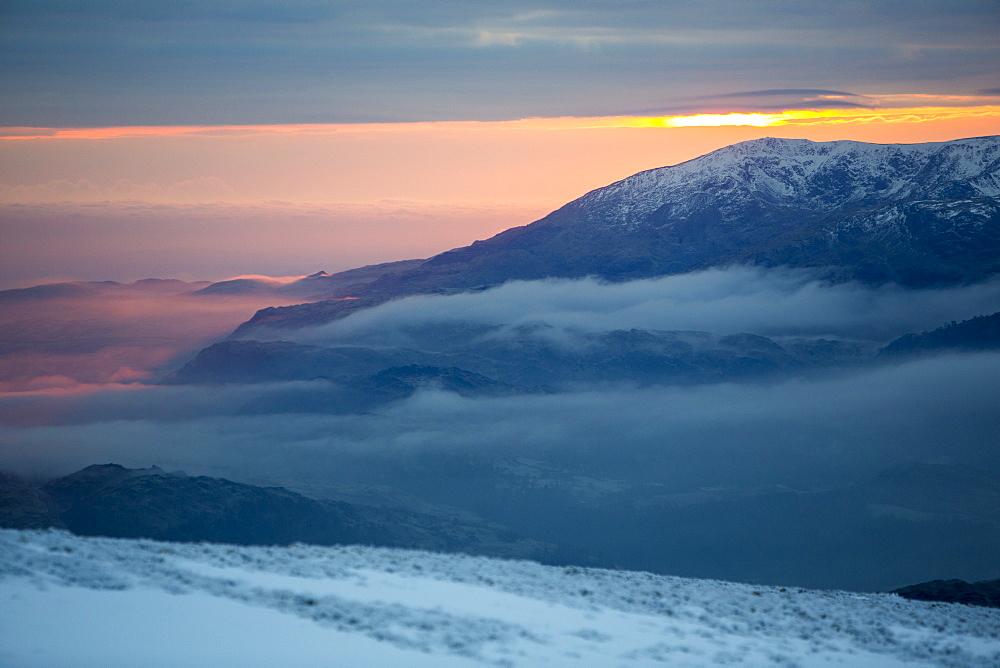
{"type": "Point", "coordinates": [914, 214]}
{"type": "Point", "coordinates": [67, 600]}
{"type": "Point", "coordinates": [820, 176]}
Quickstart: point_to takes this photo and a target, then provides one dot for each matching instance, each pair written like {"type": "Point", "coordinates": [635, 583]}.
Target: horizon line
{"type": "Point", "coordinates": [791, 117]}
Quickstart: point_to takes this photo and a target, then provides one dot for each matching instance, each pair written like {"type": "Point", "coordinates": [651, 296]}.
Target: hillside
{"type": "Point", "coordinates": [914, 214]}
{"type": "Point", "coordinates": [982, 333]}
{"type": "Point", "coordinates": [111, 500]}
{"type": "Point", "coordinates": [90, 601]}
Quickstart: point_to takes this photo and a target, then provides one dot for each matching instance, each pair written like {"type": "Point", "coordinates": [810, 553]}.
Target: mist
{"type": "Point", "coordinates": [790, 433]}
{"type": "Point", "coordinates": [784, 431]}
{"type": "Point", "coordinates": [872, 474]}
{"type": "Point", "coordinates": [769, 302]}
{"type": "Point", "coordinates": [98, 333]}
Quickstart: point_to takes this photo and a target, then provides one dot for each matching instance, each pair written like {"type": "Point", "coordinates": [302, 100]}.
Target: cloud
{"type": "Point", "coordinates": [800, 92]}
{"type": "Point", "coordinates": [599, 467]}
{"type": "Point", "coordinates": [781, 99]}
{"type": "Point", "coordinates": [723, 301]}
{"type": "Point", "coordinates": [796, 433]}
{"type": "Point", "coordinates": [281, 62]}
{"type": "Point", "coordinates": [790, 432]}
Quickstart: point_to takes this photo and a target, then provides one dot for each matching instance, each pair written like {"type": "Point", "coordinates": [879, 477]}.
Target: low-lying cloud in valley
{"type": "Point", "coordinates": [668, 475]}
{"type": "Point", "coordinates": [791, 433]}
{"type": "Point", "coordinates": [905, 409]}
{"type": "Point", "coordinates": [773, 302]}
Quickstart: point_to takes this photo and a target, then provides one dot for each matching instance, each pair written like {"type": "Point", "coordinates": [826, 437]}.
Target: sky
{"type": "Point", "coordinates": [211, 139]}
{"type": "Point", "coordinates": [115, 62]}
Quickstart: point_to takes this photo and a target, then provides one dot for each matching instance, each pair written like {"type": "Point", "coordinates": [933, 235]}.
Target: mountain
{"type": "Point", "coordinates": [914, 214]}
{"type": "Point", "coordinates": [520, 361]}
{"type": "Point", "coordinates": [111, 500]}
{"type": "Point", "coordinates": [985, 593]}
{"type": "Point", "coordinates": [91, 289]}
{"type": "Point", "coordinates": [24, 506]}
{"type": "Point", "coordinates": [873, 211]}
{"type": "Point", "coordinates": [982, 333]}
{"type": "Point", "coordinates": [319, 285]}
{"type": "Point", "coordinates": [905, 524]}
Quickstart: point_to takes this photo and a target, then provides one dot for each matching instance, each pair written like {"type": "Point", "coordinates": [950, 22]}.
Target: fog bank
{"type": "Point", "coordinates": [792, 433]}
{"type": "Point", "coordinates": [769, 302]}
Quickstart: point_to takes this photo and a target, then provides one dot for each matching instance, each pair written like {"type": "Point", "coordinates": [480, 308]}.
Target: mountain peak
{"type": "Point", "coordinates": [914, 214]}
{"type": "Point", "coordinates": [805, 174]}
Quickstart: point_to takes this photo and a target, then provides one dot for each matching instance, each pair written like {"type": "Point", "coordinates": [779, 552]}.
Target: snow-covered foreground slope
{"type": "Point", "coordinates": [68, 600]}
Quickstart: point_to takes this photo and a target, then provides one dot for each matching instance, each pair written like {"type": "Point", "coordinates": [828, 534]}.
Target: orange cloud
{"type": "Point", "coordinates": [909, 108]}
{"type": "Point", "coordinates": [898, 115]}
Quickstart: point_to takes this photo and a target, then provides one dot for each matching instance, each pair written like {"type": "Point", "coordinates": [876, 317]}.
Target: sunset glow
{"type": "Point", "coordinates": [703, 290]}
{"type": "Point", "coordinates": [716, 120]}
{"type": "Point", "coordinates": [836, 116]}
{"type": "Point", "coordinates": [287, 198]}
{"type": "Point", "coordinates": [894, 115]}
{"type": "Point", "coordinates": [915, 114]}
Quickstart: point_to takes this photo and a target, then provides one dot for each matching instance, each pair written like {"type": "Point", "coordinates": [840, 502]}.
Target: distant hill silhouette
{"type": "Point", "coordinates": [111, 500]}
{"type": "Point", "coordinates": [985, 593]}
{"type": "Point", "coordinates": [982, 333]}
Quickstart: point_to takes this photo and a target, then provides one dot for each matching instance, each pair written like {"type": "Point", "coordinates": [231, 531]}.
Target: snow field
{"type": "Point", "coordinates": [96, 601]}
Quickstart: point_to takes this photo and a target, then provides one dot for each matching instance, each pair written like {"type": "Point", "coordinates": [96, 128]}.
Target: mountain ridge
{"type": "Point", "coordinates": [919, 215]}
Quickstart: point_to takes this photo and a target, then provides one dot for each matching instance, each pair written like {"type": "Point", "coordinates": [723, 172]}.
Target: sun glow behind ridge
{"type": "Point", "coordinates": [788, 117]}
{"type": "Point", "coordinates": [718, 120]}
{"type": "Point", "coordinates": [301, 197]}
{"type": "Point", "coordinates": [833, 116]}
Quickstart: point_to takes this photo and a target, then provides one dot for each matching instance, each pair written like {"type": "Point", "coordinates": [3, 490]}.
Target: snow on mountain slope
{"type": "Point", "coordinates": [96, 601]}
{"type": "Point", "coordinates": [803, 173]}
